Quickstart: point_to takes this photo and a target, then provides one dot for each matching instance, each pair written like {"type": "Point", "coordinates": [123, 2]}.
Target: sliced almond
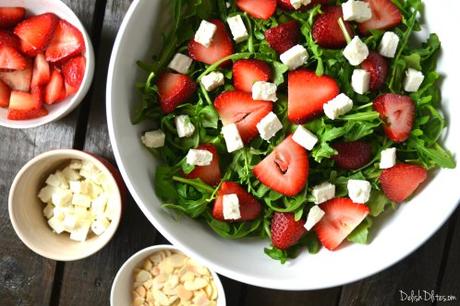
{"type": "Point", "coordinates": [141, 291]}
{"type": "Point", "coordinates": [161, 298]}
{"type": "Point", "coordinates": [187, 277]}
{"type": "Point", "coordinates": [177, 260]}
{"type": "Point", "coordinates": [138, 301]}
{"type": "Point", "coordinates": [183, 293]}
{"type": "Point", "coordinates": [143, 276]}
{"type": "Point", "coordinates": [148, 265]}
{"type": "Point", "coordinates": [214, 291]}
{"type": "Point", "coordinates": [148, 284]}
{"type": "Point", "coordinates": [197, 283]}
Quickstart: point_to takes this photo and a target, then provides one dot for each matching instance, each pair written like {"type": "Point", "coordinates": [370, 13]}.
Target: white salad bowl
{"type": "Point", "coordinates": [399, 233]}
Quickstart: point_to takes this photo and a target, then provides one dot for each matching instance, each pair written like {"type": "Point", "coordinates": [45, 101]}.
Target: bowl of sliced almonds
{"type": "Point", "coordinates": [164, 275]}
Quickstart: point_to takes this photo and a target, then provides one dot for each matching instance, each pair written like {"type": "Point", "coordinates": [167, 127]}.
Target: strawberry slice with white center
{"type": "Point", "coordinates": [385, 15]}
{"type": "Point", "coordinates": [248, 71]}
{"type": "Point", "coordinates": [41, 72]}
{"type": "Point", "coordinates": [55, 90]}
{"type": "Point", "coordinates": [174, 89]}
{"type": "Point", "coordinates": [67, 41]}
{"type": "Point", "coordinates": [11, 59]}
{"type": "Point", "coordinates": [210, 174]}
{"type": "Point", "coordinates": [18, 79]}
{"type": "Point", "coordinates": [10, 16]}
{"type": "Point", "coordinates": [238, 107]}
{"type": "Point", "coordinates": [398, 113]}
{"type": "Point", "coordinates": [341, 217]}
{"type": "Point", "coordinates": [24, 106]}
{"type": "Point", "coordinates": [262, 9]}
{"type": "Point", "coordinates": [285, 170]}
{"type": "Point", "coordinates": [400, 181]}
{"type": "Point", "coordinates": [5, 92]}
{"type": "Point", "coordinates": [8, 39]}
{"type": "Point", "coordinates": [73, 71]}
{"type": "Point", "coordinates": [36, 32]}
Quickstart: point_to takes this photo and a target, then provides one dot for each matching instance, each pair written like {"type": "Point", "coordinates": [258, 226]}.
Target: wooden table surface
{"type": "Point", "coordinates": [29, 279]}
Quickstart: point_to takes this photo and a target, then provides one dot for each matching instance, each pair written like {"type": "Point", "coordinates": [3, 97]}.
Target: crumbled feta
{"type": "Point", "coordinates": [205, 33]}
{"type": "Point", "coordinates": [389, 44]}
{"type": "Point", "coordinates": [199, 157]}
{"type": "Point", "coordinates": [356, 51]}
{"type": "Point", "coordinates": [180, 63]}
{"type": "Point", "coordinates": [57, 180]}
{"type": "Point", "coordinates": [294, 57]}
{"type": "Point", "coordinates": [98, 205]}
{"type": "Point", "coordinates": [48, 211]}
{"type": "Point", "coordinates": [387, 158]}
{"type": "Point", "coordinates": [153, 139]}
{"type": "Point", "coordinates": [232, 137]}
{"type": "Point", "coordinates": [305, 138]}
{"type": "Point", "coordinates": [314, 216]}
{"type": "Point", "coordinates": [231, 207]}
{"type": "Point", "coordinates": [323, 192]}
{"type": "Point", "coordinates": [45, 193]}
{"type": "Point", "coordinates": [184, 126]}
{"type": "Point", "coordinates": [56, 224]}
{"type": "Point", "coordinates": [358, 11]}
{"type": "Point", "coordinates": [81, 200]}
{"type": "Point", "coordinates": [238, 29]}
{"type": "Point", "coordinates": [413, 80]}
{"type": "Point", "coordinates": [338, 106]}
{"type": "Point", "coordinates": [75, 164]}
{"type": "Point", "coordinates": [359, 191]}
{"type": "Point", "coordinates": [264, 91]}
{"type": "Point", "coordinates": [70, 222]}
{"type": "Point", "coordinates": [100, 225]}
{"type": "Point", "coordinates": [296, 4]}
{"type": "Point", "coordinates": [212, 80]}
{"type": "Point", "coordinates": [83, 187]}
{"type": "Point", "coordinates": [61, 197]}
{"type": "Point", "coordinates": [360, 81]}
{"type": "Point", "coordinates": [70, 174]}
{"type": "Point", "coordinates": [269, 126]}
{"type": "Point", "coordinates": [80, 232]}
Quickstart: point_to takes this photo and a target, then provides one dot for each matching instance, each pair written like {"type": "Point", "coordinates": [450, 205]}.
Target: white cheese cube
{"type": "Point", "coordinates": [338, 106]}
{"type": "Point", "coordinates": [56, 224]}
{"type": "Point", "coordinates": [323, 192]}
{"type": "Point", "coordinates": [232, 137]}
{"type": "Point", "coordinates": [269, 126]}
{"type": "Point", "coordinates": [199, 157]}
{"type": "Point", "coordinates": [413, 80]}
{"type": "Point", "coordinates": [59, 213]}
{"type": "Point", "coordinates": [212, 80]}
{"type": "Point", "coordinates": [314, 216]}
{"type": "Point", "coordinates": [180, 63]}
{"type": "Point", "coordinates": [83, 214]}
{"type": "Point", "coordinates": [356, 51]}
{"type": "Point", "coordinates": [94, 189]}
{"type": "Point", "coordinates": [57, 180]}
{"type": "Point", "coordinates": [264, 91]}
{"type": "Point", "coordinates": [75, 164]}
{"type": "Point", "coordinates": [296, 4]}
{"type": "Point", "coordinates": [81, 200]}
{"type": "Point", "coordinates": [110, 209]}
{"type": "Point", "coordinates": [387, 158]}
{"type": "Point", "coordinates": [99, 177]}
{"type": "Point", "coordinates": [184, 126]}
{"type": "Point", "coordinates": [100, 225]}
{"type": "Point", "coordinates": [79, 187]}
{"type": "Point", "coordinates": [70, 222]}
{"type": "Point", "coordinates": [98, 205]}
{"type": "Point", "coordinates": [238, 29]}
{"type": "Point", "coordinates": [45, 193]}
{"type": "Point", "coordinates": [153, 139]}
{"type": "Point", "coordinates": [304, 137]}
{"type": "Point", "coordinates": [294, 57]}
{"type": "Point", "coordinates": [70, 174]}
{"type": "Point", "coordinates": [80, 232]}
{"type": "Point", "coordinates": [359, 191]}
{"type": "Point", "coordinates": [231, 207]}
{"type": "Point", "coordinates": [205, 33]}
{"type": "Point", "coordinates": [360, 81]}
{"type": "Point", "coordinates": [61, 197]}
{"type": "Point", "coordinates": [389, 44]}
{"type": "Point", "coordinates": [358, 11]}
{"type": "Point", "coordinates": [48, 211]}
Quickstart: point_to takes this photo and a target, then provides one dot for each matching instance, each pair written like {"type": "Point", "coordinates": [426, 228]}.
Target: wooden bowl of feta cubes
{"type": "Point", "coordinates": [66, 204]}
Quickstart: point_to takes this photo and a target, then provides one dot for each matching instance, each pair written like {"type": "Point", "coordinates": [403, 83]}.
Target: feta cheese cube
{"type": "Point", "coordinates": [98, 205]}
{"type": "Point", "coordinates": [264, 91]}
{"type": "Point", "coordinates": [46, 193]}
{"type": "Point", "coordinates": [110, 209]}
{"type": "Point", "coordinates": [413, 80]}
{"type": "Point", "coordinates": [57, 180]}
{"type": "Point", "coordinates": [359, 191]}
{"type": "Point", "coordinates": [75, 164]}
{"type": "Point", "coordinates": [205, 33]}
{"type": "Point", "coordinates": [305, 138]}
{"type": "Point", "coordinates": [360, 81]}
{"type": "Point", "coordinates": [60, 212]}
{"type": "Point", "coordinates": [94, 190]}
{"type": "Point", "coordinates": [153, 139]}
{"type": "Point", "coordinates": [61, 197]}
{"type": "Point", "coordinates": [184, 126]}
{"type": "Point", "coordinates": [100, 225]}
{"type": "Point", "coordinates": [338, 106]}
{"type": "Point", "coordinates": [314, 216]}
{"type": "Point", "coordinates": [199, 157]}
{"type": "Point", "coordinates": [82, 187]}
{"type": "Point", "coordinates": [389, 44]}
{"type": "Point", "coordinates": [238, 29]}
{"type": "Point", "coordinates": [232, 137]}
{"type": "Point", "coordinates": [356, 51]}
{"type": "Point", "coordinates": [70, 222]}
{"type": "Point", "coordinates": [180, 63]}
{"type": "Point", "coordinates": [387, 158]}
{"type": "Point", "coordinates": [358, 11]}
{"type": "Point", "coordinates": [294, 57]}
{"type": "Point", "coordinates": [81, 200]}
{"type": "Point", "coordinates": [70, 174]}
{"type": "Point", "coordinates": [80, 232]}
{"type": "Point", "coordinates": [231, 207]}
{"type": "Point", "coordinates": [296, 4]}
{"type": "Point", "coordinates": [48, 211]}
{"type": "Point", "coordinates": [212, 81]}
{"type": "Point", "coordinates": [323, 192]}
{"type": "Point", "coordinates": [269, 126]}
{"type": "Point", "coordinates": [56, 224]}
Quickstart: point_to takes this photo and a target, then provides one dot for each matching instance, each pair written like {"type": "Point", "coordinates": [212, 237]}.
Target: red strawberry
{"type": "Point", "coordinates": [55, 90]}
{"type": "Point", "coordinates": [5, 92]}
{"type": "Point", "coordinates": [41, 72]}
{"type": "Point", "coordinates": [208, 174]}
{"type": "Point", "coordinates": [70, 90]}
{"type": "Point", "coordinates": [326, 30]}
{"type": "Point", "coordinates": [286, 4]}
{"type": "Point", "coordinates": [174, 89]}
{"type": "Point", "coordinates": [28, 49]}
{"type": "Point", "coordinates": [385, 15]}
{"type": "Point", "coordinates": [285, 170]}
{"type": "Point", "coordinates": [10, 16]}
{"type": "Point", "coordinates": [284, 36]}
{"type": "Point", "coordinates": [341, 217]}
{"type": "Point", "coordinates": [398, 114]}
{"type": "Point", "coordinates": [8, 39]}
{"type": "Point", "coordinates": [262, 9]}
{"type": "Point", "coordinates": [238, 107]}
{"type": "Point", "coordinates": [352, 155]}
{"type": "Point", "coordinates": [38, 93]}
{"type": "Point", "coordinates": [11, 59]}
{"type": "Point", "coordinates": [37, 31]}
{"type": "Point", "coordinates": [24, 106]}
{"type": "Point", "coordinates": [74, 70]}
{"type": "Point", "coordinates": [18, 79]}
{"type": "Point", "coordinates": [220, 47]}
{"type": "Point", "coordinates": [248, 71]}
{"type": "Point", "coordinates": [400, 182]}
{"type": "Point", "coordinates": [67, 41]}
{"type": "Point", "coordinates": [250, 208]}
{"type": "Point", "coordinates": [307, 93]}
{"type": "Point", "coordinates": [285, 230]}
{"type": "Point", "coordinates": [377, 66]}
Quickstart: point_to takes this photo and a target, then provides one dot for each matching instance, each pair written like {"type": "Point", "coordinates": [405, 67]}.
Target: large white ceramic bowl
{"type": "Point", "coordinates": [398, 235]}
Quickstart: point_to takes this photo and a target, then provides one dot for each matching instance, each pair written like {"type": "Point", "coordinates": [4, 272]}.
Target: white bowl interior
{"type": "Point", "coordinates": [400, 232]}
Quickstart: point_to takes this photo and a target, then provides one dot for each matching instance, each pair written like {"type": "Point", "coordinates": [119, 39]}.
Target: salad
{"type": "Point", "coordinates": [296, 121]}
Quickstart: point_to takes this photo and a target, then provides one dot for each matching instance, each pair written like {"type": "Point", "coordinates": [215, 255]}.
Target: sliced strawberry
{"type": "Point", "coordinates": [285, 170]}
{"type": "Point", "coordinates": [8, 39]}
{"type": "Point", "coordinates": [286, 4]}
{"type": "Point", "coordinates": [385, 15]}
{"type": "Point", "coordinates": [74, 70]}
{"type": "Point", "coordinates": [18, 79]}
{"type": "Point", "coordinates": [24, 106]}
{"type": "Point", "coordinates": [285, 230]}
{"type": "Point", "coordinates": [11, 59]}
{"type": "Point", "coordinates": [70, 90]}
{"type": "Point", "coordinates": [174, 89]}
{"type": "Point", "coordinates": [400, 182]}
{"type": "Point", "coordinates": [10, 16]}
{"type": "Point", "coordinates": [5, 92]}
{"type": "Point", "coordinates": [238, 107]}
{"type": "Point", "coordinates": [262, 9]}
{"type": "Point", "coordinates": [37, 31]}
{"type": "Point", "coordinates": [398, 114]}
{"type": "Point", "coordinates": [352, 155]}
{"type": "Point", "coordinates": [209, 174]}
{"type": "Point", "coordinates": [307, 93]}
{"type": "Point", "coordinates": [220, 47]}
{"type": "Point", "coordinates": [55, 90]}
{"type": "Point", "coordinates": [284, 36]}
{"type": "Point", "coordinates": [38, 93]}
{"type": "Point", "coordinates": [41, 72]}
{"type": "Point", "coordinates": [341, 217]}
{"type": "Point", "coordinates": [250, 208]}
{"type": "Point", "coordinates": [28, 49]}
{"type": "Point", "coordinates": [248, 71]}
{"type": "Point", "coordinates": [377, 66]}
{"type": "Point", "coordinates": [326, 30]}
{"type": "Point", "coordinates": [66, 42]}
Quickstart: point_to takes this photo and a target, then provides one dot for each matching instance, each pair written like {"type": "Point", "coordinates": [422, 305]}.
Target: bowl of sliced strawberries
{"type": "Point", "coordinates": [46, 62]}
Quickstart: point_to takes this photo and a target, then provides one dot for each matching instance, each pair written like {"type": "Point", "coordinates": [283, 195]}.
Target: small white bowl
{"type": "Point", "coordinates": [61, 109]}
{"type": "Point", "coordinates": [120, 294]}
